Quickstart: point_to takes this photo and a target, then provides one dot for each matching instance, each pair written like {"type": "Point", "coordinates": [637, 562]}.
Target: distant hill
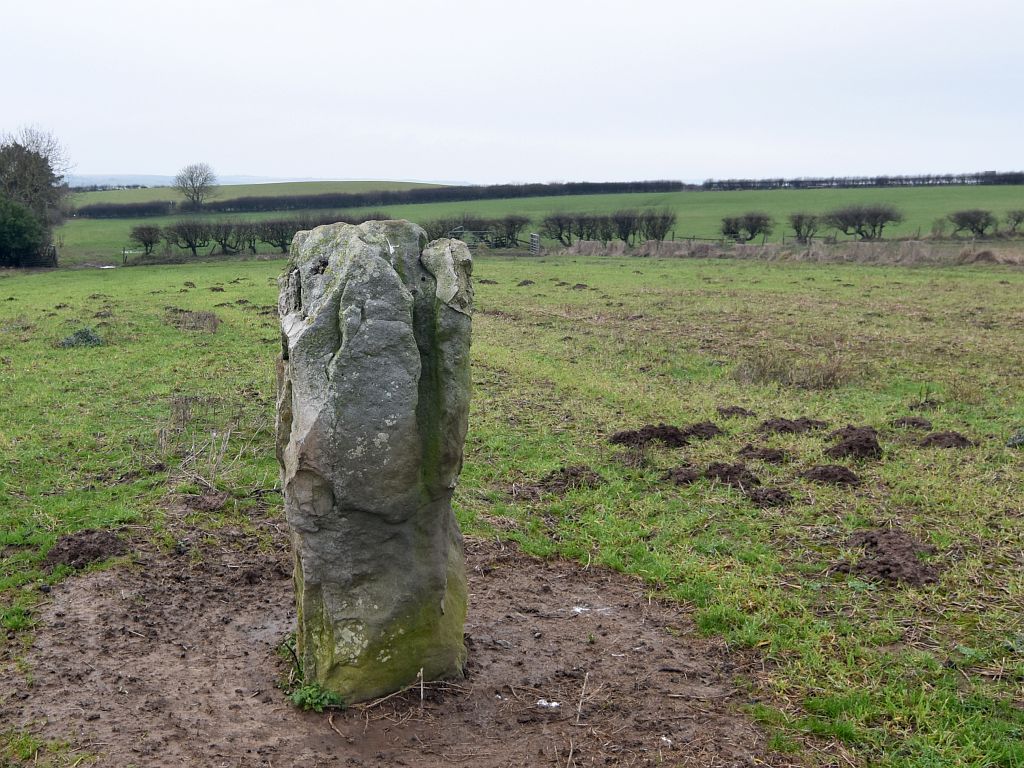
{"type": "Point", "coordinates": [154, 180]}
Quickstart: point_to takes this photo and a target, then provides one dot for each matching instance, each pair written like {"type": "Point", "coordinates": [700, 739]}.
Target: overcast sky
{"type": "Point", "coordinates": [520, 91]}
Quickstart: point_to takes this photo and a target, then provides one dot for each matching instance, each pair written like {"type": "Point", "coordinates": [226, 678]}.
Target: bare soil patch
{"type": "Point", "coordinates": [855, 442]}
{"type": "Point", "coordinates": [684, 475]}
{"type": "Point", "coordinates": [781, 426]}
{"type": "Point", "coordinates": [702, 430]}
{"type": "Point", "coordinates": [736, 475]}
{"type": "Point", "coordinates": [665, 433]}
{"type": "Point", "coordinates": [558, 481]}
{"type": "Point", "coordinates": [670, 435]}
{"type": "Point", "coordinates": [831, 474]}
{"type": "Point", "coordinates": [770, 497]}
{"type": "Point", "coordinates": [187, 320]}
{"type": "Point", "coordinates": [912, 422]}
{"type": "Point", "coordinates": [945, 440]}
{"type": "Point", "coordinates": [209, 501]}
{"type": "Point", "coordinates": [765, 454]}
{"type": "Point", "coordinates": [891, 555]}
{"type": "Point", "coordinates": [173, 662]}
{"type": "Point", "coordinates": [80, 549]}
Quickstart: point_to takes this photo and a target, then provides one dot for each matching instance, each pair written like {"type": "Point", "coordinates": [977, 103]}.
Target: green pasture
{"type": "Point", "coordinates": [228, 191]}
{"type": "Point", "coordinates": [699, 213]}
{"type": "Point", "coordinates": [854, 671]}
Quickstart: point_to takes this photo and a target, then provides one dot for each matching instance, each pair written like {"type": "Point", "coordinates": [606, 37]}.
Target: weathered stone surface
{"type": "Point", "coordinates": [373, 404]}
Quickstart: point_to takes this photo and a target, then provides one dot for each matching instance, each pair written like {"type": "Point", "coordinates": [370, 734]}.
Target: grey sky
{"type": "Point", "coordinates": [524, 91]}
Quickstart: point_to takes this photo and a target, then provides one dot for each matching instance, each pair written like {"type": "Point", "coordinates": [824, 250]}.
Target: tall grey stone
{"type": "Point", "coordinates": [373, 404]}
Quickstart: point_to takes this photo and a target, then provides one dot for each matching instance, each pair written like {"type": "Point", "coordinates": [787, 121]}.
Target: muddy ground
{"type": "Point", "coordinates": [173, 659]}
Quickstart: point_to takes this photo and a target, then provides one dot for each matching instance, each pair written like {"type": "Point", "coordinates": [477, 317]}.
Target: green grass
{"type": "Point", "coordinates": [895, 676]}
{"type": "Point", "coordinates": [699, 213]}
{"type": "Point", "coordinates": [229, 191]}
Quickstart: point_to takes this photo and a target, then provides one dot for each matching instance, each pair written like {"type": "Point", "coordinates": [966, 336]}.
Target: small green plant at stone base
{"type": "Point", "coordinates": [313, 697]}
{"type": "Point", "coordinates": [306, 696]}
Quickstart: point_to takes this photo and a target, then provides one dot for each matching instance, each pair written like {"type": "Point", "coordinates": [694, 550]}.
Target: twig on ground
{"type": "Point", "coordinates": [583, 691]}
{"type": "Point", "coordinates": [330, 722]}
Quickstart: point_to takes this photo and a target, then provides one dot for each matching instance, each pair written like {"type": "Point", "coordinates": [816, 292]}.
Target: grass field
{"type": "Point", "coordinates": [229, 191]}
{"type": "Point", "coordinates": [855, 669]}
{"type": "Point", "coordinates": [699, 213]}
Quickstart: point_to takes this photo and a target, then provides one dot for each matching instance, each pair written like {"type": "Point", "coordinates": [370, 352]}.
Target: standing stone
{"type": "Point", "coordinates": [373, 405]}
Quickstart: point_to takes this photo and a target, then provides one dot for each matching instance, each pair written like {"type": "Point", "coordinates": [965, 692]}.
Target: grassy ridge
{"type": "Point", "coordinates": [896, 675]}
{"type": "Point", "coordinates": [699, 213]}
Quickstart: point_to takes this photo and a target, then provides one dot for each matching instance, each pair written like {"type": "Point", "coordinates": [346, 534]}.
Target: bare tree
{"type": "Point", "coordinates": [32, 167]}
{"type": "Point", "coordinates": [865, 221]}
{"type": "Point", "coordinates": [605, 229]}
{"type": "Point", "coordinates": [278, 233]}
{"type": "Point", "coordinates": [229, 235]}
{"type": "Point", "coordinates": [197, 182]}
{"type": "Point", "coordinates": [745, 228]}
{"type": "Point", "coordinates": [976, 220]}
{"type": "Point", "coordinates": [188, 233]}
{"type": "Point", "coordinates": [627, 224]}
{"type": "Point", "coordinates": [656, 224]}
{"type": "Point", "coordinates": [558, 226]}
{"type": "Point", "coordinates": [510, 227]}
{"type": "Point", "coordinates": [146, 236]}
{"type": "Point", "coordinates": [43, 143]}
{"type": "Point", "coordinates": [584, 226]}
{"type": "Point", "coordinates": [805, 225]}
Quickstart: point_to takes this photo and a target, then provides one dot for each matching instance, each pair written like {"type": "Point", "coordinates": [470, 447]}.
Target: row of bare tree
{"type": "Point", "coordinates": [233, 236]}
{"type": "Point", "coordinates": [505, 232]}
{"type": "Point", "coordinates": [628, 225]}
{"type": "Point", "coordinates": [866, 222]}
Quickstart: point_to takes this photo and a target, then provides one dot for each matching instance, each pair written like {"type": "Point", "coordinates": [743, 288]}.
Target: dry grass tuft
{"type": "Point", "coordinates": [188, 320]}
{"type": "Point", "coordinates": [771, 365]}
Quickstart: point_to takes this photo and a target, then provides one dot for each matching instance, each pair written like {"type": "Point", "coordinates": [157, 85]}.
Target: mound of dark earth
{"type": "Point", "coordinates": [559, 481]}
{"type": "Point", "coordinates": [702, 430]}
{"type": "Point", "coordinates": [210, 501]}
{"type": "Point", "coordinates": [670, 435]}
{"type": "Point", "coordinates": [855, 442]}
{"type": "Point", "coordinates": [893, 556]}
{"type": "Point", "coordinates": [683, 475]}
{"type": "Point", "coordinates": [782, 426]}
{"type": "Point", "coordinates": [665, 433]}
{"type": "Point", "coordinates": [485, 281]}
{"type": "Point", "coordinates": [734, 411]}
{"type": "Point", "coordinates": [945, 440]}
{"type": "Point", "coordinates": [831, 474]}
{"type": "Point", "coordinates": [769, 497]}
{"type": "Point", "coordinates": [522, 283]}
{"type": "Point", "coordinates": [767, 455]}
{"type": "Point", "coordinates": [736, 475]}
{"type": "Point", "coordinates": [174, 662]}
{"type": "Point", "coordinates": [78, 550]}
{"type": "Point", "coordinates": [912, 422]}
